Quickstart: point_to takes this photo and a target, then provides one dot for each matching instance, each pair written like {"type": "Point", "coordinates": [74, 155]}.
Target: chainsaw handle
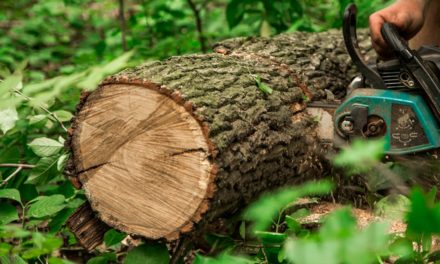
{"type": "Point", "coordinates": [352, 46]}
{"type": "Point", "coordinates": [422, 74]}
{"type": "Point", "coordinates": [395, 41]}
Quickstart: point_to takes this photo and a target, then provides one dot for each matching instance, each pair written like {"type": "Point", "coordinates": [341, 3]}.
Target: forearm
{"type": "Point", "coordinates": [423, 4]}
{"type": "Point", "coordinates": [430, 32]}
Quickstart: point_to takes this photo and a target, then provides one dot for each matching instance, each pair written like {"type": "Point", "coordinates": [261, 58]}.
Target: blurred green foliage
{"type": "Point", "coordinates": [51, 50]}
{"type": "Point", "coordinates": [66, 36]}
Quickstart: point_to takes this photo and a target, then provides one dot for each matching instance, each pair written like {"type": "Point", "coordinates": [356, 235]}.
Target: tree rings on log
{"type": "Point", "coordinates": [142, 160]}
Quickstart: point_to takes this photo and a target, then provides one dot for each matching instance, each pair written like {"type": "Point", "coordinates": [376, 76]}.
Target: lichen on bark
{"type": "Point", "coordinates": [259, 141]}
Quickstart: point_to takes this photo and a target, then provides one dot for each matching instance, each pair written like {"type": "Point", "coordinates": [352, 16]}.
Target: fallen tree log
{"type": "Point", "coordinates": [167, 146]}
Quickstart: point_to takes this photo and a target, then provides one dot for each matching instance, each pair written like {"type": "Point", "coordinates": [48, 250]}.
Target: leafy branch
{"type": "Point", "coordinates": [54, 116]}
{"type": "Point", "coordinates": [13, 174]}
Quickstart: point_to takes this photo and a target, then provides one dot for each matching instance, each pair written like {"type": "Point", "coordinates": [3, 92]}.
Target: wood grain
{"type": "Point", "coordinates": [143, 160]}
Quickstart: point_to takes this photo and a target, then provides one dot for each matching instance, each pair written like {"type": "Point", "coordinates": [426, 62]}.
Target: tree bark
{"type": "Point", "coordinates": [168, 146]}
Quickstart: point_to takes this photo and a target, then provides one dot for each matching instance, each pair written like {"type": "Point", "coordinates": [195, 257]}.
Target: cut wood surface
{"type": "Point", "coordinates": [169, 145]}
{"type": "Point", "coordinates": [147, 148]}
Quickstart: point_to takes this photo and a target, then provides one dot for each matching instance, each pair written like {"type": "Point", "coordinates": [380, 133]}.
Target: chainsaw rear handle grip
{"type": "Point", "coordinates": [352, 46]}
{"type": "Point", "coordinates": [393, 39]}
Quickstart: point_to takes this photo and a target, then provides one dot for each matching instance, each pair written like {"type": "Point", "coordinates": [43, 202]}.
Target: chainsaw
{"type": "Point", "coordinates": [402, 103]}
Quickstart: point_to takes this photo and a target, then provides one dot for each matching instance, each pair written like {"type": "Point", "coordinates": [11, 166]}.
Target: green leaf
{"type": "Point", "coordinates": [265, 88]}
{"type": "Point", "coordinates": [38, 239]}
{"type": "Point", "coordinates": [75, 203]}
{"type": "Point", "coordinates": [38, 120]}
{"type": "Point", "coordinates": [19, 67]}
{"type": "Point", "coordinates": [263, 211]}
{"type": "Point", "coordinates": [14, 259]}
{"type": "Point", "coordinates": [53, 260]}
{"type": "Point", "coordinates": [98, 73]}
{"type": "Point", "coordinates": [117, 64]}
{"type": "Point", "coordinates": [60, 219]}
{"type": "Point", "coordinates": [103, 259]}
{"type": "Point", "coordinates": [63, 115]}
{"type": "Point", "coordinates": [62, 162]}
{"type": "Point", "coordinates": [271, 237]}
{"type": "Point", "coordinates": [392, 206]}
{"type": "Point", "coordinates": [281, 255]}
{"type": "Point", "coordinates": [223, 258]}
{"type": "Point", "coordinates": [361, 155]}
{"type": "Point", "coordinates": [235, 12]}
{"type": "Point", "coordinates": [402, 247]}
{"type": "Point", "coordinates": [13, 231]}
{"type": "Point", "coordinates": [219, 241]}
{"type": "Point", "coordinates": [300, 213]}
{"type": "Point", "coordinates": [292, 224]}
{"type": "Point", "coordinates": [51, 243]}
{"type": "Point", "coordinates": [424, 215]}
{"type": "Point", "coordinates": [28, 192]}
{"type": "Point", "coordinates": [12, 194]}
{"type": "Point", "coordinates": [11, 83]}
{"type": "Point", "coordinates": [8, 117]}
{"type": "Point", "coordinates": [5, 248]}
{"type": "Point", "coordinates": [262, 86]}
{"type": "Point", "coordinates": [8, 213]}
{"type": "Point", "coordinates": [44, 170]}
{"type": "Point", "coordinates": [272, 243]}
{"type": "Point", "coordinates": [43, 244]}
{"type": "Point", "coordinates": [47, 205]}
{"type": "Point", "coordinates": [339, 241]}
{"type": "Point", "coordinates": [45, 147]}
{"type": "Point", "coordinates": [113, 237]}
{"type": "Point", "coordinates": [33, 253]}
{"type": "Point", "coordinates": [242, 230]}
{"type": "Point", "coordinates": [150, 252]}
{"type": "Point", "coordinates": [265, 31]}
{"type": "Point", "coordinates": [34, 88]}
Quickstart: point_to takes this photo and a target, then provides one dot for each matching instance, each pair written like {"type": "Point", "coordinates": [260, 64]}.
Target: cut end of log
{"type": "Point", "coordinates": [142, 159]}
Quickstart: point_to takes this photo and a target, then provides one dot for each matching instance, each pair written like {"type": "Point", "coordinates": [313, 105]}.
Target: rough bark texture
{"type": "Point", "coordinates": [88, 229]}
{"type": "Point", "coordinates": [257, 142]}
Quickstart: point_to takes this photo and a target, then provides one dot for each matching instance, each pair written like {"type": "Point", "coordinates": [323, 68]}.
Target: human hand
{"type": "Point", "coordinates": [407, 15]}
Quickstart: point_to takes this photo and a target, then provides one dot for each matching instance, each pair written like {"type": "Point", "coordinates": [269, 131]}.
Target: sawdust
{"type": "Point", "coordinates": [363, 216]}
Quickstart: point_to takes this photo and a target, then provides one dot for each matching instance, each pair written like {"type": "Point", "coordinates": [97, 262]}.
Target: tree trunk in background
{"type": "Point", "coordinates": [167, 146]}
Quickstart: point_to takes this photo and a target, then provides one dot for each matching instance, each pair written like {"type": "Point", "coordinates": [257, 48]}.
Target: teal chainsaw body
{"type": "Point", "coordinates": [402, 105]}
{"type": "Point", "coordinates": [403, 119]}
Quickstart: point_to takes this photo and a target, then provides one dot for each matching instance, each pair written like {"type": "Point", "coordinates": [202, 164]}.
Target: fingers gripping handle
{"type": "Point", "coordinates": [395, 41]}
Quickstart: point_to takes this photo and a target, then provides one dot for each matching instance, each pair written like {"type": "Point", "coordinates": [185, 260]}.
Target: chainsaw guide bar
{"type": "Point", "coordinates": [323, 113]}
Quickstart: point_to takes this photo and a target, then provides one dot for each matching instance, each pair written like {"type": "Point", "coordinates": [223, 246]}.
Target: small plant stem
{"type": "Point", "coordinates": [122, 22]}
{"type": "Point", "coordinates": [42, 107]}
{"type": "Point", "coordinates": [23, 215]}
{"type": "Point", "coordinates": [255, 246]}
{"type": "Point", "coordinates": [180, 249]}
{"type": "Point", "coordinates": [277, 225]}
{"type": "Point", "coordinates": [265, 256]}
{"type": "Point", "coordinates": [16, 165]}
{"type": "Point", "coordinates": [5, 181]}
{"type": "Point", "coordinates": [199, 25]}
{"type": "Point", "coordinates": [379, 259]}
